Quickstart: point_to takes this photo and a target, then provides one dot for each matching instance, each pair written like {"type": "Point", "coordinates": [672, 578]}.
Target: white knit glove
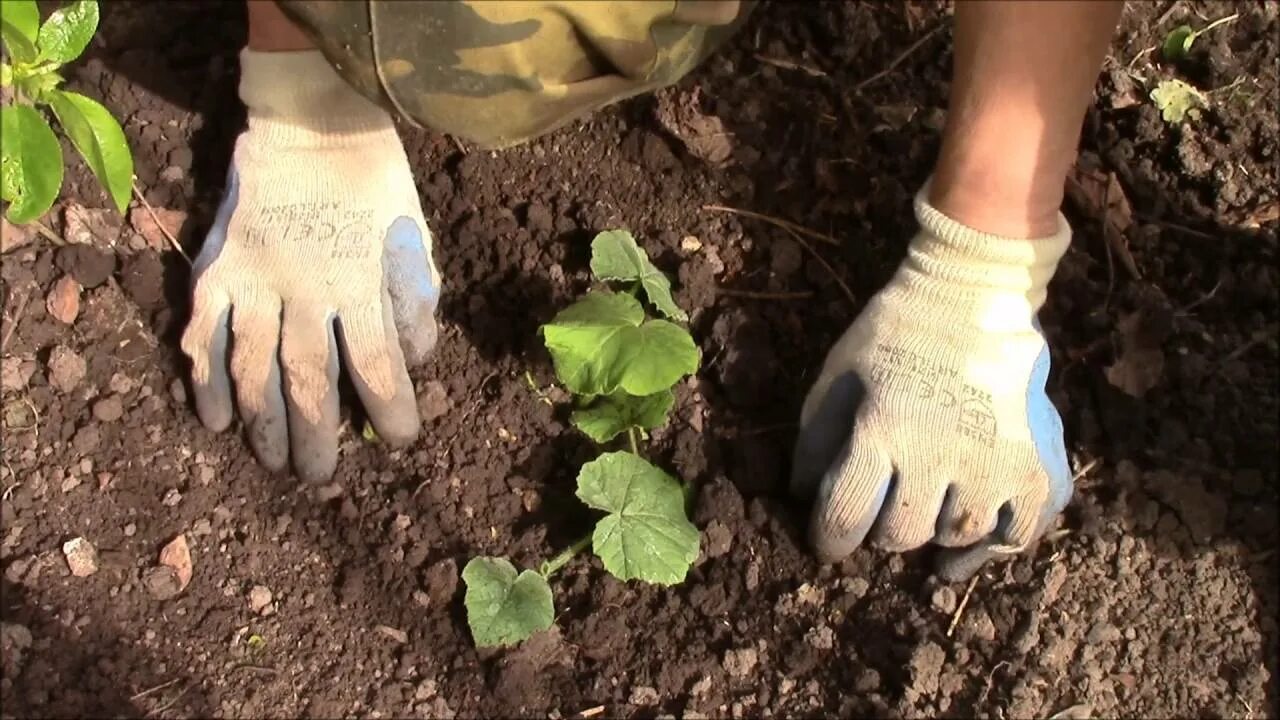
{"type": "Point", "coordinates": [319, 246]}
{"type": "Point", "coordinates": [930, 421]}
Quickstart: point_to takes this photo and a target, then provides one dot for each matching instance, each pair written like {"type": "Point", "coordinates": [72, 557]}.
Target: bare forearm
{"type": "Point", "coordinates": [270, 30]}
{"type": "Point", "coordinates": [1024, 74]}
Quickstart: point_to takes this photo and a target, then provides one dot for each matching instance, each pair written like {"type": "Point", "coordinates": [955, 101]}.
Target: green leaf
{"type": "Point", "coordinates": [614, 414]}
{"type": "Point", "coordinates": [68, 31]}
{"type": "Point", "coordinates": [616, 256]}
{"type": "Point", "coordinates": [100, 140]}
{"type": "Point", "coordinates": [1178, 42]}
{"type": "Point", "coordinates": [23, 15]}
{"type": "Point", "coordinates": [646, 535]}
{"type": "Point", "coordinates": [1176, 100]}
{"type": "Point", "coordinates": [504, 608]}
{"type": "Point", "coordinates": [22, 49]}
{"type": "Point", "coordinates": [30, 163]}
{"type": "Point", "coordinates": [38, 86]}
{"type": "Point", "coordinates": [602, 343]}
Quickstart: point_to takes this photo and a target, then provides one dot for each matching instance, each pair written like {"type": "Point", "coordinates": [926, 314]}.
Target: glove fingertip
{"type": "Point", "coordinates": [213, 405]}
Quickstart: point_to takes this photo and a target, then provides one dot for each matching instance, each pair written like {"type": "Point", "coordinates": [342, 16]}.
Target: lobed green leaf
{"type": "Point", "coordinates": [616, 256]}
{"type": "Point", "coordinates": [68, 31]}
{"type": "Point", "coordinates": [503, 607]}
{"type": "Point", "coordinates": [100, 141]}
{"type": "Point", "coordinates": [1177, 100]}
{"type": "Point", "coordinates": [30, 163]}
{"type": "Point", "coordinates": [614, 414]}
{"type": "Point", "coordinates": [602, 344]}
{"type": "Point", "coordinates": [646, 535]}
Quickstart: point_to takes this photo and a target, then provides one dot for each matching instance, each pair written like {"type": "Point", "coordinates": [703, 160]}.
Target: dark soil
{"type": "Point", "coordinates": [1158, 597]}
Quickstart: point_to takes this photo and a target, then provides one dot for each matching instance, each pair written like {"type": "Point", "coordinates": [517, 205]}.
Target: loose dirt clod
{"type": "Point", "coordinates": [66, 369]}
{"type": "Point", "coordinates": [108, 409]}
{"type": "Point", "coordinates": [260, 599]}
{"type": "Point", "coordinates": [91, 226]}
{"type": "Point", "coordinates": [82, 557]}
{"type": "Point", "coordinates": [156, 228]}
{"type": "Point", "coordinates": [13, 236]}
{"type": "Point", "coordinates": [644, 696]}
{"type": "Point", "coordinates": [15, 373]}
{"type": "Point", "coordinates": [434, 401]}
{"type": "Point", "coordinates": [161, 582]}
{"type": "Point", "coordinates": [741, 662]}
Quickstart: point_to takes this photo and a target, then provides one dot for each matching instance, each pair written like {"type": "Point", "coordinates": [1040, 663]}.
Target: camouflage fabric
{"type": "Point", "coordinates": [498, 73]}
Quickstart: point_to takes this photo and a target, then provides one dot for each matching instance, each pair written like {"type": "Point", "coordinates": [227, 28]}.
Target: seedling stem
{"type": "Point", "coordinates": [550, 567]}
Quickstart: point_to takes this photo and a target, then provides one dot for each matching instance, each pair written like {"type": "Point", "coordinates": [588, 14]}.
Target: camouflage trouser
{"type": "Point", "coordinates": [498, 72]}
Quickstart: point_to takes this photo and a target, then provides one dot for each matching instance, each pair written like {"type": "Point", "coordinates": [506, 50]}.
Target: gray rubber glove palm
{"type": "Point", "coordinates": [930, 421]}
{"type": "Point", "coordinates": [318, 251]}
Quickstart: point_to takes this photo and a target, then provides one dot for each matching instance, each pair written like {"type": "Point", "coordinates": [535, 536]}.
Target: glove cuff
{"type": "Point", "coordinates": [947, 253]}
{"type": "Point", "coordinates": [301, 92]}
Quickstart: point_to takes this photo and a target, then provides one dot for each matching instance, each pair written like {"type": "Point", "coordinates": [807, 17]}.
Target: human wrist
{"type": "Point", "coordinates": [270, 30]}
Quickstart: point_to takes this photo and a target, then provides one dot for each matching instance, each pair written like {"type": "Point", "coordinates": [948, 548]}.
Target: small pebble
{"type": "Point", "coordinates": [108, 409]}
{"type": "Point", "coordinates": [171, 498]}
{"type": "Point", "coordinates": [130, 530]}
{"type": "Point", "coordinates": [944, 600]}
{"type": "Point", "coordinates": [178, 391]}
{"type": "Point", "coordinates": [82, 557]}
{"type": "Point", "coordinates": [260, 599]}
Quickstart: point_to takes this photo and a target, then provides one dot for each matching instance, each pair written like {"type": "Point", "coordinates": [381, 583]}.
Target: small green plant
{"type": "Point", "coordinates": [1177, 44]}
{"type": "Point", "coordinates": [1178, 100]}
{"type": "Point", "coordinates": [30, 155]}
{"type": "Point", "coordinates": [621, 365]}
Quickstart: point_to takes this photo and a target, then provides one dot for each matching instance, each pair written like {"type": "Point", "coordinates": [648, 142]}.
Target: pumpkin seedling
{"type": "Point", "coordinates": [1177, 44]}
{"type": "Point", "coordinates": [1178, 100]}
{"type": "Point", "coordinates": [621, 365]}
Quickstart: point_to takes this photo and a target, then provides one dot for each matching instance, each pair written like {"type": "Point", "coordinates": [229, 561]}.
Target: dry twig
{"type": "Point", "coordinates": [154, 690]}
{"type": "Point", "coordinates": [778, 222]}
{"type": "Point", "coordinates": [168, 235]}
{"type": "Point", "coordinates": [964, 602]}
{"type": "Point", "coordinates": [834, 275]}
{"type": "Point", "coordinates": [13, 322]}
{"type": "Point", "coordinates": [897, 61]}
{"type": "Point", "coordinates": [758, 295]}
{"type": "Point", "coordinates": [789, 65]}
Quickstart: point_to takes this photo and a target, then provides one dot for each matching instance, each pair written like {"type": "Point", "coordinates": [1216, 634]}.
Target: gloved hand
{"type": "Point", "coordinates": [319, 246]}
{"type": "Point", "coordinates": [930, 421]}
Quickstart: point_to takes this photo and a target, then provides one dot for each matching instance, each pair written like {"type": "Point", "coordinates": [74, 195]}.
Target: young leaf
{"type": "Point", "coordinates": [504, 608]}
{"type": "Point", "coordinates": [616, 256]}
{"type": "Point", "coordinates": [23, 15]}
{"type": "Point", "coordinates": [20, 48]}
{"type": "Point", "coordinates": [37, 86]}
{"type": "Point", "coordinates": [98, 137]}
{"type": "Point", "coordinates": [602, 343]}
{"type": "Point", "coordinates": [68, 31]}
{"type": "Point", "coordinates": [1176, 100]}
{"type": "Point", "coordinates": [1178, 43]}
{"type": "Point", "coordinates": [646, 534]}
{"type": "Point", "coordinates": [30, 163]}
{"type": "Point", "coordinates": [614, 414]}
{"type": "Point", "coordinates": [6, 75]}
